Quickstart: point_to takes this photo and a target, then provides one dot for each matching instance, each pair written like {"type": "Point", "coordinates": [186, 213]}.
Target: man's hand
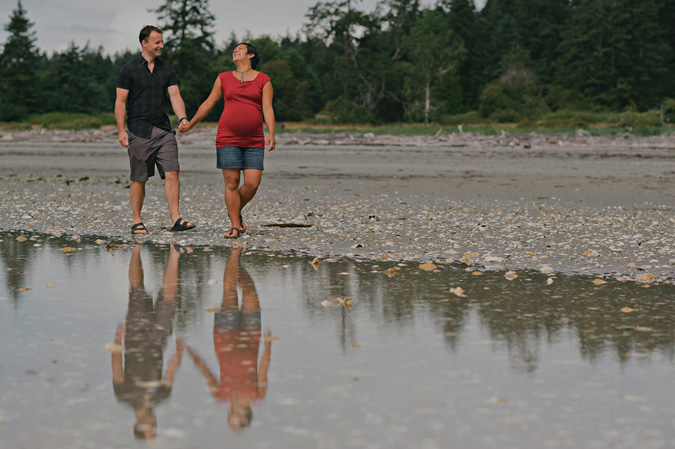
{"type": "Point", "coordinates": [123, 139]}
{"type": "Point", "coordinates": [184, 126]}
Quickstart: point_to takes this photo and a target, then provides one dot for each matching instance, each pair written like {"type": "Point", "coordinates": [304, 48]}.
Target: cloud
{"type": "Point", "coordinates": [114, 25]}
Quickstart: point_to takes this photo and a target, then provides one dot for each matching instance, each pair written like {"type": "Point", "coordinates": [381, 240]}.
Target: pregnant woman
{"type": "Point", "coordinates": [240, 142]}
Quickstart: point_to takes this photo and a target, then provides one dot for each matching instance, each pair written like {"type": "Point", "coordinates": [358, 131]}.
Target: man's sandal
{"type": "Point", "coordinates": [234, 233]}
{"type": "Point", "coordinates": [181, 225]}
{"type": "Point", "coordinates": [139, 229]}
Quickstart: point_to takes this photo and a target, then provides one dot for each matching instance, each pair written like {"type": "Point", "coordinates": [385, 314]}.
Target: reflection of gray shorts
{"type": "Point", "coordinates": [160, 149]}
{"type": "Point", "coordinates": [236, 319]}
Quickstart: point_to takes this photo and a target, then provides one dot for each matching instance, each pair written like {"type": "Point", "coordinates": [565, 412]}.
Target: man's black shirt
{"type": "Point", "coordinates": [146, 103]}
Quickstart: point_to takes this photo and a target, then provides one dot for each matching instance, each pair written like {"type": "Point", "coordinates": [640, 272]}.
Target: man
{"type": "Point", "coordinates": [141, 94]}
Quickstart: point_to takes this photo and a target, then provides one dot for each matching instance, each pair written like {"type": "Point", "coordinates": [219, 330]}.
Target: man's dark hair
{"type": "Point", "coordinates": [250, 50]}
{"type": "Point", "coordinates": [145, 32]}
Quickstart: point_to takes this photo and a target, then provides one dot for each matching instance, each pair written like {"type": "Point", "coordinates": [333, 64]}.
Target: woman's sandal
{"type": "Point", "coordinates": [234, 233]}
{"type": "Point", "coordinates": [139, 229]}
{"type": "Point", "coordinates": [243, 226]}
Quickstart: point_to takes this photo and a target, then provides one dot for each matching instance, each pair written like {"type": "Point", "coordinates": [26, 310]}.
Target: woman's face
{"type": "Point", "coordinates": [239, 53]}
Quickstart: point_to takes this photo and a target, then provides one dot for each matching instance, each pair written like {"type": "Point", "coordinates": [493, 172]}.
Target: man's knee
{"type": "Point", "coordinates": [171, 175]}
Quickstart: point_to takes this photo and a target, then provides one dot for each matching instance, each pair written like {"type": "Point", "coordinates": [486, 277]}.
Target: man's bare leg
{"type": "Point", "coordinates": [172, 193]}
{"type": "Point", "coordinates": [137, 197]}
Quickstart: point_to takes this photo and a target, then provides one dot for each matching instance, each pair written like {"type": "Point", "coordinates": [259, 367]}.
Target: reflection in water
{"type": "Point", "coordinates": [236, 340]}
{"type": "Point", "coordinates": [520, 317]}
{"type": "Point", "coordinates": [140, 382]}
{"type": "Point", "coordinates": [522, 363]}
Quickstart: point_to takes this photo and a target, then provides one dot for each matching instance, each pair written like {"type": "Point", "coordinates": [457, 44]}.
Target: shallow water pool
{"type": "Point", "coordinates": [117, 345]}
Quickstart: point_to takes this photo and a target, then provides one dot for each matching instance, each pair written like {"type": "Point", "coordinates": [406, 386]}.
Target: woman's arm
{"type": "Point", "coordinates": [268, 113]}
{"type": "Point", "coordinates": [206, 107]}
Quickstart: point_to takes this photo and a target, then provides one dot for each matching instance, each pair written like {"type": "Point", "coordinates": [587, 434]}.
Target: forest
{"type": "Point", "coordinates": [510, 61]}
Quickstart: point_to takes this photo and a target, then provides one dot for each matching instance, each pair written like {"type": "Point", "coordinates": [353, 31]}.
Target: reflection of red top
{"type": "Point", "coordinates": [241, 123]}
{"type": "Point", "coordinates": [237, 352]}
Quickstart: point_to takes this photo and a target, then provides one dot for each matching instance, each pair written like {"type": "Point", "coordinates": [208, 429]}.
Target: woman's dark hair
{"type": "Point", "coordinates": [145, 32]}
{"type": "Point", "coordinates": [250, 50]}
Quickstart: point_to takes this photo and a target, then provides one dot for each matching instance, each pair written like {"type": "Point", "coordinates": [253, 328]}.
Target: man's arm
{"type": "Point", "coordinates": [177, 103]}
{"type": "Point", "coordinates": [120, 115]}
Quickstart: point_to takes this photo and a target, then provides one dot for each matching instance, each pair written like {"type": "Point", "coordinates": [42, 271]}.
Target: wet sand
{"type": "Point", "coordinates": [556, 204]}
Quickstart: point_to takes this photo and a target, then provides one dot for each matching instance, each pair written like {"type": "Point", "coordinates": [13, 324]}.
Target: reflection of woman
{"type": "Point", "coordinates": [236, 339]}
{"type": "Point", "coordinates": [240, 143]}
{"type": "Point", "coordinates": [139, 381]}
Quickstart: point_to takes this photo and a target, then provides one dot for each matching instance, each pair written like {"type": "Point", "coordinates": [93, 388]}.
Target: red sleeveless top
{"type": "Point", "coordinates": [241, 123]}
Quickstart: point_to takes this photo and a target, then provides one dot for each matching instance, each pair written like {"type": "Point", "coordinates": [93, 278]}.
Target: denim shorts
{"type": "Point", "coordinates": [241, 158]}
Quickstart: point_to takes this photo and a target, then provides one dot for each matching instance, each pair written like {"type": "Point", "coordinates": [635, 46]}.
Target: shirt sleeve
{"type": "Point", "coordinates": [173, 78]}
{"type": "Point", "coordinates": [123, 79]}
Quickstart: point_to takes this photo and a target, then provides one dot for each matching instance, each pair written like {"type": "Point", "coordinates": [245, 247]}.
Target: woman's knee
{"type": "Point", "coordinates": [251, 186]}
{"type": "Point", "coordinates": [231, 184]}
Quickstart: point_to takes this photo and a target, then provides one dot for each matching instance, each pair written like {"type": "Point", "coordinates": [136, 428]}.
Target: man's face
{"type": "Point", "coordinates": [154, 44]}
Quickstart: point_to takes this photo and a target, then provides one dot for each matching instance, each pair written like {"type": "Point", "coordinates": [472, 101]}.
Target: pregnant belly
{"type": "Point", "coordinates": [241, 124]}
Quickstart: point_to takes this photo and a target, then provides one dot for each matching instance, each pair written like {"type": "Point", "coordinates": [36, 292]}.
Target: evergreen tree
{"type": "Point", "coordinates": [541, 28]}
{"type": "Point", "coordinates": [667, 19]}
{"type": "Point", "coordinates": [615, 52]}
{"type": "Point", "coordinates": [75, 81]}
{"type": "Point", "coordinates": [336, 23]}
{"type": "Point", "coordinates": [500, 32]}
{"type": "Point", "coordinates": [517, 94]}
{"type": "Point", "coordinates": [190, 48]}
{"type": "Point", "coordinates": [433, 49]}
{"type": "Point", "coordinates": [463, 20]}
{"type": "Point", "coordinates": [19, 90]}
{"type": "Point", "coordinates": [297, 91]}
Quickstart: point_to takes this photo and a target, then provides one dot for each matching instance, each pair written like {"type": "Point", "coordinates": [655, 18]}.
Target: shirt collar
{"type": "Point", "coordinates": [144, 61]}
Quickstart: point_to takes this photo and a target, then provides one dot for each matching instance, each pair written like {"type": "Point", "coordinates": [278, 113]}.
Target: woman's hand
{"type": "Point", "coordinates": [184, 126]}
{"type": "Point", "coordinates": [271, 142]}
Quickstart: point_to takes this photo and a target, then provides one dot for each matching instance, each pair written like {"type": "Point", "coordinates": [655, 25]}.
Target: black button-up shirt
{"type": "Point", "coordinates": [146, 103]}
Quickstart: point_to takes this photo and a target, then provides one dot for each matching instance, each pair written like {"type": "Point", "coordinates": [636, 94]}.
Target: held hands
{"type": "Point", "coordinates": [184, 126]}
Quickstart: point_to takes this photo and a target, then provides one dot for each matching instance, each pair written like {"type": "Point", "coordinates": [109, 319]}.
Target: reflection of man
{"type": "Point", "coordinates": [236, 339]}
{"type": "Point", "coordinates": [140, 383]}
{"type": "Point", "coordinates": [141, 88]}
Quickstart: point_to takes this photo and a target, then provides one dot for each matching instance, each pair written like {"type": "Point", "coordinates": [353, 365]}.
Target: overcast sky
{"type": "Point", "coordinates": [114, 24]}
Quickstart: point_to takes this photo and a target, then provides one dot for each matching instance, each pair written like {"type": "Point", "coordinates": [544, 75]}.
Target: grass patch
{"type": "Point", "coordinates": [71, 121]}
{"type": "Point", "coordinates": [61, 120]}
{"type": "Point", "coordinates": [559, 122]}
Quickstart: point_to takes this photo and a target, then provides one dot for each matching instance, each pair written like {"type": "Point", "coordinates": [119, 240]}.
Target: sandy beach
{"type": "Point", "coordinates": [557, 204]}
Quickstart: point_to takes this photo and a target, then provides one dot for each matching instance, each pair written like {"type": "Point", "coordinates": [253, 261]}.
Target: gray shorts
{"type": "Point", "coordinates": [160, 149]}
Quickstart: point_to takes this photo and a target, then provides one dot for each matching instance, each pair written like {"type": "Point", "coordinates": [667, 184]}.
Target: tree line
{"type": "Point", "coordinates": [402, 62]}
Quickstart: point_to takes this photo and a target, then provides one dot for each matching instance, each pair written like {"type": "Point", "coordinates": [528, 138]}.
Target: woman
{"type": "Point", "coordinates": [240, 142]}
